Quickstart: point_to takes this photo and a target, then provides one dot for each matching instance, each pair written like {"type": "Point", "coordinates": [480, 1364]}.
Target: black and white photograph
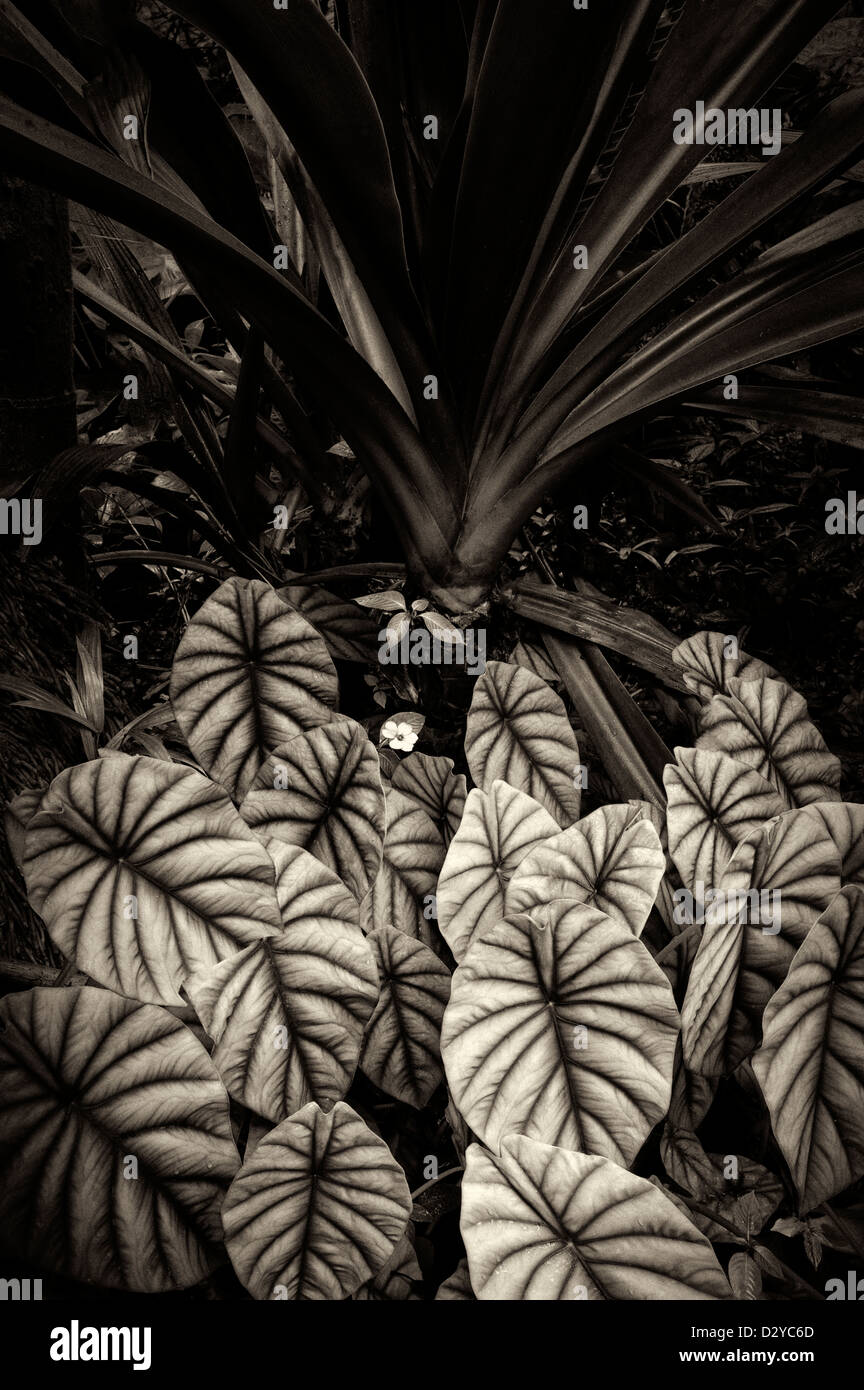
{"type": "Point", "coordinates": [432, 679]}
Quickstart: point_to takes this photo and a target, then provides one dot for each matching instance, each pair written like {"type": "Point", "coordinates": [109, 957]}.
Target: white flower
{"type": "Point", "coordinates": [400, 736]}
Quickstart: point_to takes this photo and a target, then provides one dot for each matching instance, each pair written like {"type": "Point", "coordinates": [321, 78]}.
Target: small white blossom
{"type": "Point", "coordinates": [400, 736]}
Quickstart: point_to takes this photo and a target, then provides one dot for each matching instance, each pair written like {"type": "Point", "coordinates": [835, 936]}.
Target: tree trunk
{"type": "Point", "coordinates": [37, 398]}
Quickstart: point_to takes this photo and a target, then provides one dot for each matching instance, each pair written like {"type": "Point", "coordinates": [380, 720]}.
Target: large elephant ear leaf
{"type": "Point", "coordinates": [709, 660]}
{"type": "Point", "coordinates": [248, 674]}
{"type": "Point", "coordinates": [144, 872]}
{"type": "Point", "coordinates": [322, 791]}
{"type": "Point", "coordinates": [351, 633]}
{"type": "Point", "coordinates": [564, 1032]}
{"type": "Point", "coordinates": [499, 828]}
{"type": "Point", "coordinates": [613, 860]}
{"type": "Point", "coordinates": [713, 803]}
{"type": "Point", "coordinates": [116, 1145]}
{"type": "Point", "coordinates": [402, 1051]}
{"type": "Point", "coordinates": [317, 1210]}
{"type": "Point", "coordinates": [811, 1062]}
{"type": "Point", "coordinates": [18, 814]}
{"type": "Point", "coordinates": [518, 731]}
{"type": "Point", "coordinates": [764, 724]}
{"type": "Point", "coordinates": [844, 821]}
{"type": "Point", "coordinates": [433, 785]}
{"type": "Point", "coordinates": [287, 1014]}
{"type": "Point", "coordinates": [403, 894]}
{"type": "Point", "coordinates": [774, 887]}
{"type": "Point", "coordinates": [546, 1223]}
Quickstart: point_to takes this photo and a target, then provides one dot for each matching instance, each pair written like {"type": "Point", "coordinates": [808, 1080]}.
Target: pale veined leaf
{"type": "Point", "coordinates": [811, 1062]}
{"type": "Point", "coordinates": [764, 724]}
{"type": "Point", "coordinates": [518, 731]}
{"type": "Point", "coordinates": [144, 872]}
{"type": "Point", "coordinates": [714, 802]}
{"type": "Point", "coordinates": [612, 860]}
{"type": "Point", "coordinates": [392, 1284]}
{"type": "Point", "coordinates": [350, 634]}
{"type": "Point", "coordinates": [544, 1223]}
{"type": "Point", "coordinates": [116, 1141]}
{"type": "Point", "coordinates": [499, 828]}
{"type": "Point", "coordinates": [322, 791]}
{"type": "Point", "coordinates": [317, 1210]}
{"type": "Point", "coordinates": [774, 887]}
{"type": "Point", "coordinates": [436, 789]}
{"type": "Point", "coordinates": [458, 1287]}
{"type": "Point", "coordinates": [18, 814]}
{"type": "Point", "coordinates": [708, 660]}
{"type": "Point", "coordinates": [844, 821]}
{"type": "Point", "coordinates": [565, 1033]}
{"type": "Point", "coordinates": [287, 1014]}
{"type": "Point", "coordinates": [248, 674]}
{"type": "Point", "coordinates": [402, 1051]}
{"type": "Point", "coordinates": [403, 894]}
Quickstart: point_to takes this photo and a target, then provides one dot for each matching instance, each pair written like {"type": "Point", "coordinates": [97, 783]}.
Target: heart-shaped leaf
{"type": "Point", "coordinates": [18, 814]}
{"type": "Point", "coordinates": [433, 785]}
{"type": "Point", "coordinates": [287, 1014]}
{"type": "Point", "coordinates": [350, 634]}
{"type": "Point", "coordinates": [499, 828]}
{"type": "Point", "coordinates": [518, 731]}
{"type": "Point", "coordinates": [612, 860]}
{"type": "Point", "coordinates": [318, 1208]}
{"type": "Point", "coordinates": [714, 802]}
{"type": "Point", "coordinates": [844, 821]}
{"type": "Point", "coordinates": [709, 660]}
{"type": "Point", "coordinates": [116, 1143]}
{"type": "Point", "coordinates": [392, 1283]}
{"type": "Point", "coordinates": [811, 1062]}
{"type": "Point", "coordinates": [545, 1223]}
{"type": "Point", "coordinates": [774, 887]}
{"type": "Point", "coordinates": [403, 895]}
{"type": "Point", "coordinates": [402, 1052]}
{"type": "Point", "coordinates": [144, 872]}
{"type": "Point", "coordinates": [564, 1032]}
{"type": "Point", "coordinates": [248, 674]}
{"type": "Point", "coordinates": [322, 791]}
{"type": "Point", "coordinates": [764, 724]}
